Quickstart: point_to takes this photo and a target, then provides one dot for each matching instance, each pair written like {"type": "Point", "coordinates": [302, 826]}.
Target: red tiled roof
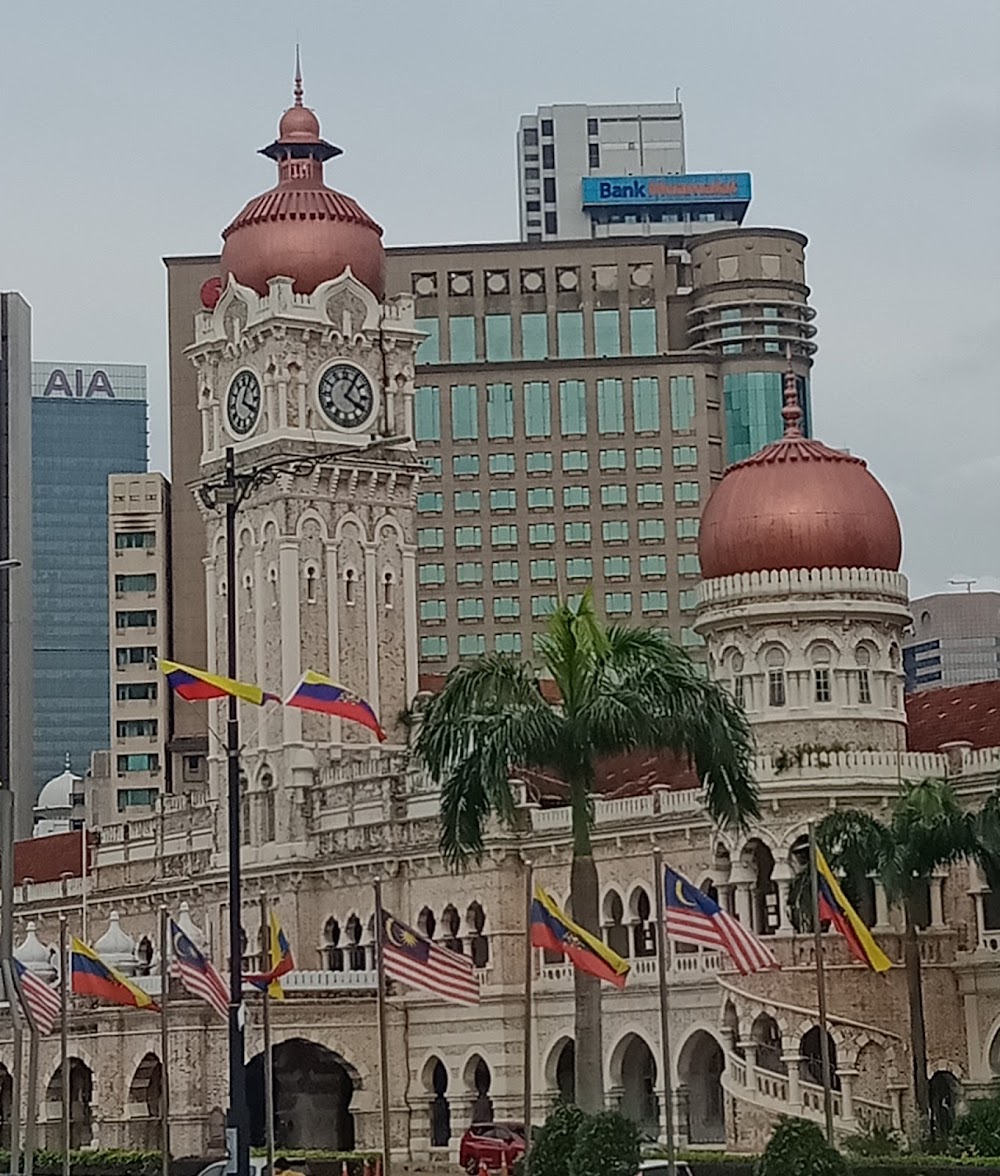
{"type": "Point", "coordinates": [948, 713]}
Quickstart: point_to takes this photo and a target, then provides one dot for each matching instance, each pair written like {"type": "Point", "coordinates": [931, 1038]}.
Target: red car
{"type": "Point", "coordinates": [492, 1142]}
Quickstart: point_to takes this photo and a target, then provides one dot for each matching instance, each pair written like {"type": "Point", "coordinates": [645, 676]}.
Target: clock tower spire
{"type": "Point", "coordinates": [303, 363]}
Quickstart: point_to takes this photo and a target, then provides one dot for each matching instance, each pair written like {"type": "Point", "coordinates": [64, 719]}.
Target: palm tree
{"type": "Point", "coordinates": [926, 828]}
{"type": "Point", "coordinates": [620, 689]}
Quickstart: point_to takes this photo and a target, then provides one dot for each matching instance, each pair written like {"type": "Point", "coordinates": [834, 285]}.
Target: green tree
{"type": "Point", "coordinates": [925, 828]}
{"type": "Point", "coordinates": [620, 689]}
{"type": "Point", "coordinates": [798, 1148]}
{"type": "Point", "coordinates": [552, 1145]}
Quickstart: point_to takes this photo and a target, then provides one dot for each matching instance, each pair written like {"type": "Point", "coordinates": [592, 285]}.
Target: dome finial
{"type": "Point", "coordinates": [791, 411]}
{"type": "Point", "coordinates": [298, 91]}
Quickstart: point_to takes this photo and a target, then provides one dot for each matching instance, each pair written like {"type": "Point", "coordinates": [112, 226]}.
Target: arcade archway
{"type": "Point", "coordinates": [313, 1088]}
{"type": "Point", "coordinates": [699, 1068]}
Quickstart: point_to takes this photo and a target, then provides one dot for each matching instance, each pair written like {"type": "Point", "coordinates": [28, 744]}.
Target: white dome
{"type": "Point", "coordinates": [58, 792]}
{"type": "Point", "coordinates": [35, 956]}
{"type": "Point", "coordinates": [117, 946]}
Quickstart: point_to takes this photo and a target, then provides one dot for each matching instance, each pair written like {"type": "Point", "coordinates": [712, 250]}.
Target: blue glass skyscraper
{"type": "Point", "coordinates": [88, 421]}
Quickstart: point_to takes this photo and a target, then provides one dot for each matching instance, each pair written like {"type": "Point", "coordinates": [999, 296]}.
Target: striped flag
{"type": "Point", "coordinates": [196, 972]}
{"type": "Point", "coordinates": [413, 959]}
{"type": "Point", "coordinates": [692, 917]}
{"type": "Point", "coordinates": [41, 1001]}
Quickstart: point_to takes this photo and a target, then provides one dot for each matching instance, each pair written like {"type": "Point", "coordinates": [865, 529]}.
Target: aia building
{"type": "Point", "coordinates": [88, 421]}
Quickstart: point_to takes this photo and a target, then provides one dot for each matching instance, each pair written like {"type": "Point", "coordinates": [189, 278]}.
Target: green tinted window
{"type": "Point", "coordinates": [471, 644]}
{"type": "Point", "coordinates": [649, 493]}
{"type": "Point", "coordinates": [646, 404]}
{"type": "Point", "coordinates": [534, 336]}
{"type": "Point", "coordinates": [617, 603]}
{"type": "Point", "coordinates": [612, 459]}
{"type": "Point", "coordinates": [539, 463]}
{"type": "Point", "coordinates": [569, 331]}
{"type": "Point", "coordinates": [462, 339]}
{"type": "Point", "coordinates": [505, 571]}
{"type": "Point", "coordinates": [506, 608]}
{"type": "Point", "coordinates": [431, 574]}
{"type": "Point", "coordinates": [470, 608]}
{"type": "Point", "coordinates": [616, 495]}
{"type": "Point", "coordinates": [688, 564]}
{"type": "Point", "coordinates": [434, 646]}
{"type": "Point", "coordinates": [681, 403]}
{"type": "Point", "coordinates": [575, 461]}
{"type": "Point", "coordinates": [429, 349]}
{"type": "Point", "coordinates": [430, 502]}
{"type": "Point", "coordinates": [499, 348]}
{"type": "Point", "coordinates": [686, 492]}
{"type": "Point", "coordinates": [688, 528]}
{"type": "Point", "coordinates": [499, 410]}
{"type": "Point", "coordinates": [427, 413]}
{"type": "Point", "coordinates": [469, 573]}
{"type": "Point", "coordinates": [685, 455]}
{"type": "Point", "coordinates": [503, 499]}
{"type": "Point", "coordinates": [507, 642]}
{"type": "Point", "coordinates": [541, 497]}
{"type": "Point", "coordinates": [576, 532]}
{"type": "Point", "coordinates": [688, 599]}
{"type": "Point", "coordinates": [752, 403]}
{"type": "Point", "coordinates": [579, 569]}
{"type": "Point", "coordinates": [573, 408]}
{"type": "Point", "coordinates": [654, 602]}
{"type": "Point", "coordinates": [607, 333]}
{"type": "Point", "coordinates": [650, 458]}
{"type": "Point", "coordinates": [464, 412]}
{"type": "Point", "coordinates": [542, 606]}
{"type": "Point", "coordinates": [541, 534]}
{"type": "Point", "coordinates": [468, 536]}
{"type": "Point", "coordinates": [502, 463]}
{"type": "Point", "coordinates": [617, 565]}
{"type": "Point", "coordinates": [653, 565]}
{"type": "Point", "coordinates": [433, 610]}
{"type": "Point", "coordinates": [642, 327]}
{"type": "Point", "coordinates": [615, 531]}
{"type": "Point", "coordinates": [537, 409]}
{"type": "Point", "coordinates": [576, 496]}
{"type": "Point", "coordinates": [652, 530]}
{"type": "Point", "coordinates": [543, 569]}
{"type": "Point", "coordinates": [466, 500]}
{"type": "Point", "coordinates": [430, 538]}
{"type": "Point", "coordinates": [610, 407]}
{"type": "Point", "coordinates": [465, 465]}
{"type": "Point", "coordinates": [504, 535]}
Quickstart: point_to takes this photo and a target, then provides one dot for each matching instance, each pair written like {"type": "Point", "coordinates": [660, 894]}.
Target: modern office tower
{"type": "Point", "coordinates": [15, 543]}
{"type": "Point", "coordinates": [574, 404]}
{"type": "Point", "coordinates": [138, 587]}
{"type": "Point", "coordinates": [955, 639]}
{"type": "Point", "coordinates": [88, 421]}
{"type": "Point", "coordinates": [618, 170]}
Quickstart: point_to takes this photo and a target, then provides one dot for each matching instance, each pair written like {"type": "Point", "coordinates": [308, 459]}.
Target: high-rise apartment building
{"type": "Point", "coordinates": [88, 421]}
{"type": "Point", "coordinates": [617, 170]}
{"type": "Point", "coordinates": [15, 543]}
{"type": "Point", "coordinates": [574, 404]}
{"type": "Point", "coordinates": [137, 579]}
{"type": "Point", "coordinates": [955, 639]}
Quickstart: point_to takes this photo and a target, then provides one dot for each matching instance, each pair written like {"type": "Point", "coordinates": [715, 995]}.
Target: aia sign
{"type": "Point", "coordinates": [79, 388]}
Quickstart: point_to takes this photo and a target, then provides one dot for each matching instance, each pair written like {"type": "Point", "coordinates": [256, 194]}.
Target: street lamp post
{"type": "Point", "coordinates": [7, 935]}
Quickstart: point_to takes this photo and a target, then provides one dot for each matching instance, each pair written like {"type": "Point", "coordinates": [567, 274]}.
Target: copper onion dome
{"type": "Point", "coordinates": [302, 229]}
{"type": "Point", "coordinates": [798, 504]}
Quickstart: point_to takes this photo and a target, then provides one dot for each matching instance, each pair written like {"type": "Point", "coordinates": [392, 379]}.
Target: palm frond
{"type": "Point", "coordinates": [572, 644]}
{"type": "Point", "coordinates": [489, 717]}
{"type": "Point", "coordinates": [855, 844]}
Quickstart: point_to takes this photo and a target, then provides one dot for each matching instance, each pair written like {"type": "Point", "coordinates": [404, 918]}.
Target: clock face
{"type": "Point", "coordinates": [346, 395]}
{"type": "Point", "coordinates": [243, 403]}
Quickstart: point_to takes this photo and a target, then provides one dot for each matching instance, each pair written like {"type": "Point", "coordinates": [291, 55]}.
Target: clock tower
{"type": "Point", "coordinates": [304, 365]}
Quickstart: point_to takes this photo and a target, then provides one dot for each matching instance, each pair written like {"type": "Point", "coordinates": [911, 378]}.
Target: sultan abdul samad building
{"type": "Point", "coordinates": [299, 354]}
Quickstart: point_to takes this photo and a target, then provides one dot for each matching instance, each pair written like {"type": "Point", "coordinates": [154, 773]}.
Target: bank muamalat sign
{"type": "Point", "coordinates": [714, 188]}
{"type": "Point", "coordinates": [66, 381]}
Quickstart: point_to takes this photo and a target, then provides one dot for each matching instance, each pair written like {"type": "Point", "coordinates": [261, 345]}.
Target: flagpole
{"type": "Point", "coordinates": [529, 982]}
{"type": "Point", "coordinates": [663, 948]}
{"type": "Point", "coordinates": [31, 1122]}
{"type": "Point", "coordinates": [268, 1059]}
{"type": "Point", "coordinates": [824, 1036]}
{"type": "Point", "coordinates": [164, 1042]}
{"type": "Point", "coordinates": [18, 1048]}
{"type": "Point", "coordinates": [7, 844]}
{"type": "Point", "coordinates": [64, 1037]}
{"type": "Point", "coordinates": [383, 1047]}
{"type": "Point", "coordinates": [85, 863]}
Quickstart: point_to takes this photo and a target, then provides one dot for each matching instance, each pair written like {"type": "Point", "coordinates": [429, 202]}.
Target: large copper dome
{"type": "Point", "coordinates": [302, 229]}
{"type": "Point", "coordinates": [798, 504]}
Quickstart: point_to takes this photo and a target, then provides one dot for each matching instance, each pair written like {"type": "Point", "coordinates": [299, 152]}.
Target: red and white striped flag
{"type": "Point", "coordinates": [196, 972]}
{"type": "Point", "coordinates": [413, 959]}
{"type": "Point", "coordinates": [692, 917]}
{"type": "Point", "coordinates": [41, 1001]}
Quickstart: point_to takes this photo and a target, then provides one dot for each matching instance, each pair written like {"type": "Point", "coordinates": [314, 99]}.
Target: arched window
{"type": "Point", "coordinates": [355, 949]}
{"type": "Point", "coordinates": [643, 928]}
{"type": "Point", "coordinates": [479, 944]}
{"type": "Point", "coordinates": [615, 931]}
{"type": "Point", "coordinates": [351, 586]}
{"type": "Point", "coordinates": [272, 579]}
{"type": "Point", "coordinates": [450, 925]}
{"type": "Point", "coordinates": [387, 585]}
{"type": "Point", "coordinates": [267, 800]}
{"type": "Point", "coordinates": [426, 923]}
{"type": "Point", "coordinates": [775, 662]}
{"type": "Point", "coordinates": [822, 681]}
{"type": "Point", "coordinates": [311, 576]}
{"type": "Point", "coordinates": [862, 659]}
{"type": "Point", "coordinates": [331, 946]}
{"type": "Point", "coordinates": [248, 589]}
{"type": "Point", "coordinates": [244, 811]}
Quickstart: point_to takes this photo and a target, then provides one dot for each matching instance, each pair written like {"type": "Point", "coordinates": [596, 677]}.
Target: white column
{"type": "Point", "coordinates": [783, 880]}
{"type": "Point", "coordinates": [881, 907]}
{"type": "Point", "coordinates": [793, 1062]}
{"type": "Point", "coordinates": [333, 627]}
{"type": "Point", "coordinates": [937, 898]}
{"type": "Point", "coordinates": [409, 603]}
{"type": "Point", "coordinates": [980, 916]}
{"type": "Point", "coordinates": [742, 880]}
{"type": "Point", "coordinates": [847, 1094]}
{"type": "Point", "coordinates": [259, 606]}
{"type": "Point", "coordinates": [291, 635]}
{"type": "Point", "coordinates": [371, 606]}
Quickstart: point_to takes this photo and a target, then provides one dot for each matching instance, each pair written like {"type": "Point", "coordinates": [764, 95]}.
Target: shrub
{"type": "Point", "coordinates": [552, 1144]}
{"type": "Point", "coordinates": [798, 1148]}
{"type": "Point", "coordinates": [977, 1132]}
{"type": "Point", "coordinates": [607, 1143]}
{"type": "Point", "coordinates": [874, 1142]}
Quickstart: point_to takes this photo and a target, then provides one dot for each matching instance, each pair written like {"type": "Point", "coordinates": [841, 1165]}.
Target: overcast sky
{"type": "Point", "coordinates": [129, 130]}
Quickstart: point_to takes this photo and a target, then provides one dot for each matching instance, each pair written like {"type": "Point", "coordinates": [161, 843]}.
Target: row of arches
{"type": "Point", "coordinates": [349, 946]}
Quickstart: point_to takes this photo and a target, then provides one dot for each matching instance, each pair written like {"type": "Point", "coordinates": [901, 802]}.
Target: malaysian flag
{"type": "Point", "coordinates": [40, 1000]}
{"type": "Point", "coordinates": [411, 958]}
{"type": "Point", "coordinates": [692, 917]}
{"type": "Point", "coordinates": [196, 972]}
